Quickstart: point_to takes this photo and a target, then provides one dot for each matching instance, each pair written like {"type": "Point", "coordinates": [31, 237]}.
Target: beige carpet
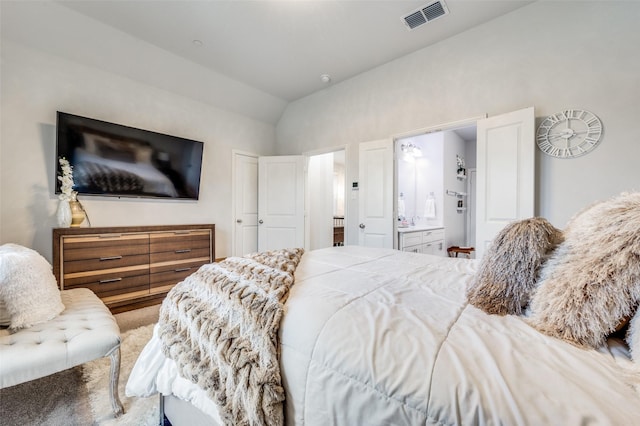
{"type": "Point", "coordinates": [137, 411]}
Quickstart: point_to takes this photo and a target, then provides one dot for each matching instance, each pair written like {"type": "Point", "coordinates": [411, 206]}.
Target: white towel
{"type": "Point", "coordinates": [430, 208]}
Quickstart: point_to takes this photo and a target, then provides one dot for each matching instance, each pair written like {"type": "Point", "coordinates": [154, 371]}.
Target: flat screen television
{"type": "Point", "coordinates": [114, 160]}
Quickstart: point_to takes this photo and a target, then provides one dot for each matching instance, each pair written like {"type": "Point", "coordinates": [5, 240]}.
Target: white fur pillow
{"type": "Point", "coordinates": [509, 269]}
{"type": "Point", "coordinates": [592, 280]}
{"type": "Point", "coordinates": [27, 287]}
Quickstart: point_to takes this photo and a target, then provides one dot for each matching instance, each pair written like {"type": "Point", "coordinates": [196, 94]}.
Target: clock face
{"type": "Point", "coordinates": [570, 133]}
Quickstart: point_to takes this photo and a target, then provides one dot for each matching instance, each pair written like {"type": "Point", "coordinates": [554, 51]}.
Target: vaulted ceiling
{"type": "Point", "coordinates": [283, 47]}
{"type": "Point", "coordinates": [250, 57]}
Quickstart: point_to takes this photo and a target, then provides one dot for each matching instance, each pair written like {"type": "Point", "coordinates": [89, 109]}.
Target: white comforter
{"type": "Point", "coordinates": [374, 336]}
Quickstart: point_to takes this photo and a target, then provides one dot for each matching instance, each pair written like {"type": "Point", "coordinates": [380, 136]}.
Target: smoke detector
{"type": "Point", "coordinates": [428, 13]}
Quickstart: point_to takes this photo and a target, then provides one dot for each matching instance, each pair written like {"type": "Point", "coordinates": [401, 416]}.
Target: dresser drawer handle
{"type": "Point", "coordinates": [112, 280]}
{"type": "Point", "coordinates": [181, 269]}
{"type": "Point", "coordinates": [183, 251]}
{"type": "Point", "coordinates": [181, 232]}
{"type": "Point", "coordinates": [111, 258]}
{"type": "Point", "coordinates": [110, 236]}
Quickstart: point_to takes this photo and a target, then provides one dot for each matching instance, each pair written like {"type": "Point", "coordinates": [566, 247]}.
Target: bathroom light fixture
{"type": "Point", "coordinates": [325, 78]}
{"type": "Point", "coordinates": [197, 43]}
{"type": "Point", "coordinates": [411, 149]}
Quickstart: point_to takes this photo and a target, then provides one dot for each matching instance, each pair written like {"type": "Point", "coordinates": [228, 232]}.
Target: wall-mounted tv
{"type": "Point", "coordinates": [114, 160]}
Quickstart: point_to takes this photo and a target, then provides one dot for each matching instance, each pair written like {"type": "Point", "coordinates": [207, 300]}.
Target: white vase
{"type": "Point", "coordinates": [64, 214]}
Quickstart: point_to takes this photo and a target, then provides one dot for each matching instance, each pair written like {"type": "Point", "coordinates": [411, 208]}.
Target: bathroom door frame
{"type": "Point", "coordinates": [453, 125]}
{"type": "Point", "coordinates": [308, 155]}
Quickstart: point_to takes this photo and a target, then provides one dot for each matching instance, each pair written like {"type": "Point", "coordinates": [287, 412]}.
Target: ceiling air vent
{"type": "Point", "coordinates": [425, 14]}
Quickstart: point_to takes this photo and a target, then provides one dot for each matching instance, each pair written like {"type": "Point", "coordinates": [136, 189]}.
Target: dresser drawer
{"type": "Point", "coordinates": [97, 252]}
{"type": "Point", "coordinates": [179, 256]}
{"type": "Point", "coordinates": [95, 246]}
{"type": "Point", "coordinates": [191, 264]}
{"type": "Point", "coordinates": [163, 278]}
{"type": "Point", "coordinates": [104, 253]}
{"type": "Point", "coordinates": [104, 263]}
{"type": "Point", "coordinates": [180, 241]}
{"type": "Point", "coordinates": [111, 284]}
{"type": "Point", "coordinates": [168, 248]}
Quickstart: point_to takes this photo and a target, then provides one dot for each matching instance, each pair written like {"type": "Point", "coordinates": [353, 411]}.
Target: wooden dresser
{"type": "Point", "coordinates": [129, 267]}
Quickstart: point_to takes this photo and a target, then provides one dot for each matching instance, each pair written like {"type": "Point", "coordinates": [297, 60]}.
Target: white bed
{"type": "Point", "coordinates": [375, 336]}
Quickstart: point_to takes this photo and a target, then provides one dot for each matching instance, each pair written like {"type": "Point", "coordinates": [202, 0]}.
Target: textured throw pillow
{"type": "Point", "coordinates": [592, 280]}
{"type": "Point", "coordinates": [509, 269]}
{"type": "Point", "coordinates": [27, 286]}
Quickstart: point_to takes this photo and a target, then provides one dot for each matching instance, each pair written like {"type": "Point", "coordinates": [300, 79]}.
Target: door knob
{"type": "Point", "coordinates": [261, 221]}
{"type": "Point", "coordinates": [239, 221]}
{"type": "Point", "coordinates": [361, 226]}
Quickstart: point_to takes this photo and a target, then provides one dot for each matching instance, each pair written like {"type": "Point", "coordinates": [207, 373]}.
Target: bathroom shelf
{"type": "Point", "coordinates": [456, 193]}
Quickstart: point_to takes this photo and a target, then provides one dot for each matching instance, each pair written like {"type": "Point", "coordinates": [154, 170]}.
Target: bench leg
{"type": "Point", "coordinates": [118, 410]}
{"type": "Point", "coordinates": [161, 417]}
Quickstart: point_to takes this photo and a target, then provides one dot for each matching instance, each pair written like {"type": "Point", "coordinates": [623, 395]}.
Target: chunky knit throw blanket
{"type": "Point", "coordinates": [220, 326]}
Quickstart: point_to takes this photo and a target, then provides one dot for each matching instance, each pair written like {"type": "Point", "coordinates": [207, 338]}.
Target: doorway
{"type": "Point", "coordinates": [268, 202]}
{"type": "Point", "coordinates": [434, 187]}
{"type": "Point", "coordinates": [505, 171]}
{"type": "Point", "coordinates": [326, 200]}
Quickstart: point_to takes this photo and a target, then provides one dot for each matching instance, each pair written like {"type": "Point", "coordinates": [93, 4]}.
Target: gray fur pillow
{"type": "Point", "coordinates": [509, 269]}
{"type": "Point", "coordinates": [592, 280]}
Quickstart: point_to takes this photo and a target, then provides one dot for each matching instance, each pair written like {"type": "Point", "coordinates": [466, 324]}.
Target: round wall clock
{"type": "Point", "coordinates": [570, 133]}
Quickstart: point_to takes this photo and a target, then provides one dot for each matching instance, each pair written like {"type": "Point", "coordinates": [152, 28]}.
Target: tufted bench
{"type": "Point", "coordinates": [84, 331]}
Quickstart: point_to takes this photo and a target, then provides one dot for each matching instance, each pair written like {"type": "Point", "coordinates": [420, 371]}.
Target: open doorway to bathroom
{"type": "Point", "coordinates": [326, 199]}
{"type": "Point", "coordinates": [435, 184]}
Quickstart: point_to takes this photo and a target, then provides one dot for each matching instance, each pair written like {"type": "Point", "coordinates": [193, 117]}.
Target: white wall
{"type": "Point", "coordinates": [320, 187]}
{"type": "Point", "coordinates": [406, 170]}
{"type": "Point", "coordinates": [431, 177]}
{"type": "Point", "coordinates": [417, 177]}
{"type": "Point", "coordinates": [338, 183]}
{"type": "Point", "coordinates": [35, 85]}
{"type": "Point", "coordinates": [552, 55]}
{"type": "Point", "coordinates": [454, 221]}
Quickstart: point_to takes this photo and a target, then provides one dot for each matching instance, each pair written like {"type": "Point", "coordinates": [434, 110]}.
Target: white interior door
{"type": "Point", "coordinates": [245, 193]}
{"type": "Point", "coordinates": [375, 176]}
{"type": "Point", "coordinates": [281, 216]}
{"type": "Point", "coordinates": [505, 173]}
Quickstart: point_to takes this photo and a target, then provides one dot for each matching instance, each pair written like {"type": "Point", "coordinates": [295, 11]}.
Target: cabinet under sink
{"type": "Point", "coordinates": [426, 241]}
